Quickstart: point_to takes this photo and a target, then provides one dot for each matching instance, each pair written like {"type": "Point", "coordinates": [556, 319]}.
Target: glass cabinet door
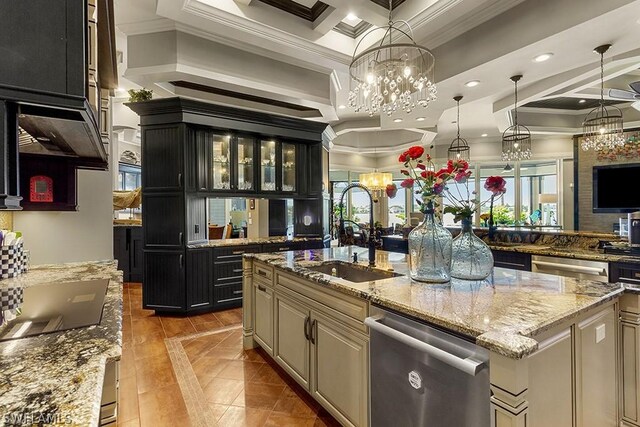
{"type": "Point", "coordinates": [245, 163]}
{"type": "Point", "coordinates": [220, 162]}
{"type": "Point", "coordinates": [268, 165]}
{"type": "Point", "coordinates": [288, 167]}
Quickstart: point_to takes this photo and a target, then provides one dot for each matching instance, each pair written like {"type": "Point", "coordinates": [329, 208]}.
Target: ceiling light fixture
{"type": "Point", "coordinates": [603, 127]}
{"type": "Point", "coordinates": [458, 149]}
{"type": "Point", "coordinates": [516, 140]}
{"type": "Point", "coordinates": [376, 181]}
{"type": "Point", "coordinates": [472, 83]}
{"type": "Point", "coordinates": [420, 119]}
{"type": "Point", "coordinates": [582, 101]}
{"type": "Point", "coordinates": [392, 76]}
{"type": "Point", "coordinates": [342, 107]}
{"type": "Point", "coordinates": [352, 17]}
{"type": "Point", "coordinates": [484, 135]}
{"type": "Point", "coordinates": [543, 57]}
{"type": "Point", "coordinates": [398, 120]}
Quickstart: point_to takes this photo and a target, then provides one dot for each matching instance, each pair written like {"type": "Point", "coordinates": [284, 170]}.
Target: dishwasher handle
{"type": "Point", "coordinates": [468, 365]}
{"type": "Point", "coordinates": [597, 271]}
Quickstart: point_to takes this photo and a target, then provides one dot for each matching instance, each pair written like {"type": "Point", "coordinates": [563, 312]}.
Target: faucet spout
{"type": "Point", "coordinates": [372, 231]}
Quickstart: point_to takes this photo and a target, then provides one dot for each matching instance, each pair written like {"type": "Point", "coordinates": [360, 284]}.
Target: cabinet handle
{"type": "Point", "coordinates": [237, 292]}
{"type": "Point", "coordinates": [262, 273]}
{"type": "Point", "coordinates": [286, 248]}
{"type": "Point", "coordinates": [180, 237]}
{"type": "Point", "coordinates": [314, 331]}
{"type": "Point", "coordinates": [307, 323]}
{"type": "Point", "coordinates": [179, 180]}
{"type": "Point", "coordinates": [181, 261]}
{"type": "Point", "coordinates": [237, 252]}
{"type": "Point", "coordinates": [262, 288]}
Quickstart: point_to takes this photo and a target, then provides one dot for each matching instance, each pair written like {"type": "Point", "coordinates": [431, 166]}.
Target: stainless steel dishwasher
{"type": "Point", "coordinates": [424, 377]}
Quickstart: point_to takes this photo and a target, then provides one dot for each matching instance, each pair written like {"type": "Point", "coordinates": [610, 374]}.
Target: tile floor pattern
{"type": "Point", "coordinates": [241, 388]}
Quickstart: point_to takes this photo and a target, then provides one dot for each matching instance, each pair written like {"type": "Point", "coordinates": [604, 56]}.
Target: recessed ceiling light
{"type": "Point", "coordinates": [420, 119]}
{"type": "Point", "coordinates": [352, 17]}
{"type": "Point", "coordinates": [472, 83]}
{"type": "Point", "coordinates": [398, 120]}
{"type": "Point", "coordinates": [543, 57]}
{"type": "Point", "coordinates": [484, 134]}
{"type": "Point", "coordinates": [582, 101]}
{"type": "Point", "coordinates": [342, 106]}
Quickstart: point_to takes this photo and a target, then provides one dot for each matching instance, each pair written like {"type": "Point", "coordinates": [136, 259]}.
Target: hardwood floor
{"type": "Point", "coordinates": [241, 388]}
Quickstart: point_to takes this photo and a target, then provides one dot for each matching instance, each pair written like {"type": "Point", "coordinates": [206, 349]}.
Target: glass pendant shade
{"type": "Point", "coordinates": [459, 148]}
{"type": "Point", "coordinates": [391, 75]}
{"type": "Point", "coordinates": [376, 180]}
{"type": "Point", "coordinates": [603, 128]}
{"type": "Point", "coordinates": [516, 140]}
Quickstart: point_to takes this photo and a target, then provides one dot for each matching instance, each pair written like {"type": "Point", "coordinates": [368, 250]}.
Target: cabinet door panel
{"type": "Point", "coordinates": [220, 166]}
{"type": "Point", "coordinates": [199, 287]}
{"type": "Point", "coordinates": [163, 288]}
{"type": "Point", "coordinates": [162, 155]}
{"type": "Point", "coordinates": [263, 318]}
{"type": "Point", "coordinates": [292, 347]}
{"type": "Point", "coordinates": [268, 165]}
{"type": "Point", "coordinates": [136, 255]}
{"type": "Point", "coordinates": [245, 168]}
{"type": "Point", "coordinates": [288, 165]}
{"type": "Point", "coordinates": [121, 250]}
{"type": "Point", "coordinates": [163, 219]}
{"type": "Point", "coordinates": [340, 371]}
{"type": "Point", "coordinates": [597, 370]}
{"type": "Point", "coordinates": [630, 334]}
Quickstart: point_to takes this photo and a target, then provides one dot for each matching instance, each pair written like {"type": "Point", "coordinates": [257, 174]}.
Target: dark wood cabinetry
{"type": "Point", "coordinates": [128, 251]}
{"type": "Point", "coordinates": [512, 260]}
{"type": "Point", "coordinates": [193, 150]}
{"type": "Point", "coordinates": [624, 272]}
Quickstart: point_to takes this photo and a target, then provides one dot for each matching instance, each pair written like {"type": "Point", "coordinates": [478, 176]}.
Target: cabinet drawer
{"type": "Point", "coordinates": [512, 260]}
{"type": "Point", "coordinates": [262, 271]}
{"type": "Point", "coordinates": [227, 293]}
{"type": "Point", "coordinates": [234, 253]}
{"type": "Point", "coordinates": [625, 272]}
{"type": "Point", "coordinates": [281, 247]}
{"type": "Point", "coordinates": [226, 272]}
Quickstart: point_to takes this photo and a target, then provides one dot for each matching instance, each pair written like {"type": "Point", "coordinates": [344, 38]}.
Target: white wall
{"type": "Point", "coordinates": [85, 235]}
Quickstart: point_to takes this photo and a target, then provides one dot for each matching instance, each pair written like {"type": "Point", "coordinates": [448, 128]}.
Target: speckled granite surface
{"type": "Point", "coordinates": [254, 241]}
{"type": "Point", "coordinates": [503, 313]}
{"type": "Point", "coordinates": [58, 377]}
{"type": "Point", "coordinates": [565, 252]}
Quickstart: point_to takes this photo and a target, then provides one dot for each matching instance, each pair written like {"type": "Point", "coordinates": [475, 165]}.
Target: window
{"type": "Point", "coordinates": [503, 206]}
{"type": "Point", "coordinates": [460, 192]}
{"type": "Point", "coordinates": [360, 206]}
{"type": "Point", "coordinates": [397, 207]}
{"type": "Point", "coordinates": [539, 193]}
{"type": "Point", "coordinates": [225, 211]}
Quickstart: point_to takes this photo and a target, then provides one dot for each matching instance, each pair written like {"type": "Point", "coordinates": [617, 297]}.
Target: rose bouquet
{"type": "Point", "coordinates": [431, 183]}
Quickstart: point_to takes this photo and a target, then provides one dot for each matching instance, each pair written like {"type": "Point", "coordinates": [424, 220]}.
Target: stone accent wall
{"type": "Point", "coordinates": [587, 220]}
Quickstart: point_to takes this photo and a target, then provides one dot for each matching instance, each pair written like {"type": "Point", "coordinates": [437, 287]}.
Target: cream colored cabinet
{"type": "Point", "coordinates": [630, 360]}
{"type": "Point", "coordinates": [263, 303]}
{"type": "Point", "coordinates": [596, 364]}
{"type": "Point", "coordinates": [292, 347]}
{"type": "Point", "coordinates": [339, 380]}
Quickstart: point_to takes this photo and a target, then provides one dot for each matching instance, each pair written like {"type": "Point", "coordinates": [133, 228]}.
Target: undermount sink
{"type": "Point", "coordinates": [353, 273]}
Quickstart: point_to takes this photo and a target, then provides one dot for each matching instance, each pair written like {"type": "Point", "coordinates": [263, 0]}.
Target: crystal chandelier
{"type": "Point", "coordinates": [516, 140]}
{"type": "Point", "coordinates": [459, 148]}
{"type": "Point", "coordinates": [603, 128]}
{"type": "Point", "coordinates": [389, 76]}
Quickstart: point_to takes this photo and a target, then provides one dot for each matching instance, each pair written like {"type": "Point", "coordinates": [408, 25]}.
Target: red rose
{"type": "Point", "coordinates": [450, 167]}
{"type": "Point", "coordinates": [421, 166]}
{"type": "Point", "coordinates": [462, 176]}
{"type": "Point", "coordinates": [415, 152]}
{"type": "Point", "coordinates": [404, 157]}
{"type": "Point", "coordinates": [391, 190]}
{"type": "Point", "coordinates": [441, 172]}
{"type": "Point", "coordinates": [407, 183]}
{"type": "Point", "coordinates": [496, 185]}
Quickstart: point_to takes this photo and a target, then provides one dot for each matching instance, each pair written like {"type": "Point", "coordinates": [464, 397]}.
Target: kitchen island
{"type": "Point", "coordinates": [58, 378]}
{"type": "Point", "coordinates": [552, 341]}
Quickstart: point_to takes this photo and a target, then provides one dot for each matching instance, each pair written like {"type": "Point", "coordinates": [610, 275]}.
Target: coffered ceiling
{"type": "Point", "coordinates": [291, 57]}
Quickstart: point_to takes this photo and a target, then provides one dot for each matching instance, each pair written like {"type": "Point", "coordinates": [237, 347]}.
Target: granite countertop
{"type": "Point", "coordinates": [503, 313]}
{"type": "Point", "coordinates": [59, 376]}
{"type": "Point", "coordinates": [565, 252]}
{"type": "Point", "coordinates": [253, 241]}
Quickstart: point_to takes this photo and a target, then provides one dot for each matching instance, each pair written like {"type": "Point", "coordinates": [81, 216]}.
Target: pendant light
{"type": "Point", "coordinates": [516, 140]}
{"type": "Point", "coordinates": [391, 75]}
{"type": "Point", "coordinates": [603, 127]}
{"type": "Point", "coordinates": [459, 148]}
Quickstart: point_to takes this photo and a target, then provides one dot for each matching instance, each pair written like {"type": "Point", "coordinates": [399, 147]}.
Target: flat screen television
{"type": "Point", "coordinates": [616, 188]}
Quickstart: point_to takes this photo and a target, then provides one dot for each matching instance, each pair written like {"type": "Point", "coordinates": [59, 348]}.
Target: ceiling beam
{"type": "Point", "coordinates": [329, 19]}
{"type": "Point", "coordinates": [244, 2]}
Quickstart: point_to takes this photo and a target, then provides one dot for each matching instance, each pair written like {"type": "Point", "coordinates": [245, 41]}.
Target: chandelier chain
{"type": "Point", "coordinates": [516, 105]}
{"type": "Point", "coordinates": [458, 119]}
{"type": "Point", "coordinates": [602, 80]}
